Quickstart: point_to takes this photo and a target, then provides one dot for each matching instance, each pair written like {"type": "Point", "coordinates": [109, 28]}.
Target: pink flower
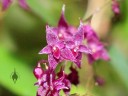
{"type": "Point", "coordinates": [55, 49]}
{"type": "Point", "coordinates": [97, 48]}
{"type": "Point", "coordinates": [115, 7]}
{"type": "Point", "coordinates": [64, 30]}
{"type": "Point", "coordinates": [77, 47]}
{"type": "Point", "coordinates": [98, 51]}
{"type": "Point", "coordinates": [6, 4]}
{"type": "Point", "coordinates": [48, 84]}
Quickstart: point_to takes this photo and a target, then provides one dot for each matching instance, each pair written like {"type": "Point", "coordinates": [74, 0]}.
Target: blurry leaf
{"type": "Point", "coordinates": [25, 83]}
{"type": "Point", "coordinates": [46, 9]}
{"type": "Point", "coordinates": [75, 94]}
{"type": "Point", "coordinates": [120, 64]}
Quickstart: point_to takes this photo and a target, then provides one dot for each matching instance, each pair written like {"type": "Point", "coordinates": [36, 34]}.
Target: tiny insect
{"type": "Point", "coordinates": [14, 76]}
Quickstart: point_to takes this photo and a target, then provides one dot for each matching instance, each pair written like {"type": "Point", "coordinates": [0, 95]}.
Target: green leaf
{"type": "Point", "coordinates": [119, 63]}
{"type": "Point", "coordinates": [46, 9]}
{"type": "Point", "coordinates": [25, 83]}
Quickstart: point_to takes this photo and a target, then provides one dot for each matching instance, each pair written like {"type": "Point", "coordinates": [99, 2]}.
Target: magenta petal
{"type": "Point", "coordinates": [42, 91]}
{"type": "Point", "coordinates": [78, 59]}
{"type": "Point", "coordinates": [38, 72]}
{"type": "Point", "coordinates": [51, 38]}
{"type": "Point", "coordinates": [79, 56]}
{"type": "Point", "coordinates": [97, 55]}
{"type": "Point", "coordinates": [68, 84]}
{"type": "Point", "coordinates": [56, 53]}
{"type": "Point", "coordinates": [104, 55]}
{"type": "Point", "coordinates": [60, 44]}
{"type": "Point", "coordinates": [62, 22]}
{"type": "Point", "coordinates": [83, 48]}
{"type": "Point", "coordinates": [90, 59]}
{"type": "Point", "coordinates": [89, 33]}
{"type": "Point", "coordinates": [23, 4]}
{"type": "Point", "coordinates": [61, 77]}
{"type": "Point", "coordinates": [70, 44]}
{"type": "Point", "coordinates": [67, 54]}
{"type": "Point", "coordinates": [78, 37]}
{"type": "Point", "coordinates": [5, 4]}
{"type": "Point", "coordinates": [78, 63]}
{"type": "Point", "coordinates": [72, 30]}
{"type": "Point", "coordinates": [59, 83]}
{"type": "Point", "coordinates": [52, 61]}
{"type": "Point", "coordinates": [61, 86]}
{"type": "Point", "coordinates": [55, 94]}
{"type": "Point", "coordinates": [46, 50]}
{"type": "Point", "coordinates": [115, 7]}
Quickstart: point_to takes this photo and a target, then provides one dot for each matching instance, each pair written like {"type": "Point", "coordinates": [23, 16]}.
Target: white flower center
{"type": "Point", "coordinates": [54, 48]}
{"type": "Point", "coordinates": [60, 35]}
{"type": "Point", "coordinates": [75, 49]}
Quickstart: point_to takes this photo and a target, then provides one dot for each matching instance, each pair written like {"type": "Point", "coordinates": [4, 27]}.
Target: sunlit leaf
{"type": "Point", "coordinates": [119, 63]}
{"type": "Point", "coordinates": [25, 83]}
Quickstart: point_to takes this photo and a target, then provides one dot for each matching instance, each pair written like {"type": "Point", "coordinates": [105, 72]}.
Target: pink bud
{"type": "Point", "coordinates": [38, 72]}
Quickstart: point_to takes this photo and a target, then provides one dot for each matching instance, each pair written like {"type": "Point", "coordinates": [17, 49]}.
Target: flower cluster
{"type": "Point", "coordinates": [48, 84]}
{"type": "Point", "coordinates": [66, 43]}
{"type": "Point", "coordinates": [6, 4]}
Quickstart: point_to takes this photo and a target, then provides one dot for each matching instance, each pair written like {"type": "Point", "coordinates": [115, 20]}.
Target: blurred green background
{"type": "Point", "coordinates": [22, 36]}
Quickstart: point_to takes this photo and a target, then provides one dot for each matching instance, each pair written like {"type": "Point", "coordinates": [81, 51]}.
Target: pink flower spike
{"type": "Point", "coordinates": [98, 51]}
{"type": "Point", "coordinates": [51, 84]}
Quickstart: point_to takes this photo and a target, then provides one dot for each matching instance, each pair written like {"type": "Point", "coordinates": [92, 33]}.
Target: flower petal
{"type": "Point", "coordinates": [23, 4]}
{"type": "Point", "coordinates": [60, 44]}
{"type": "Point", "coordinates": [42, 91]}
{"type": "Point", "coordinates": [52, 61]}
{"type": "Point", "coordinates": [78, 37]}
{"type": "Point", "coordinates": [62, 22]}
{"type": "Point", "coordinates": [67, 54]}
{"type": "Point", "coordinates": [90, 59]}
{"type": "Point", "coordinates": [60, 86]}
{"type": "Point", "coordinates": [115, 7]}
{"type": "Point", "coordinates": [68, 84]}
{"type": "Point", "coordinates": [83, 48]}
{"type": "Point", "coordinates": [46, 50]}
{"type": "Point", "coordinates": [72, 30]}
{"type": "Point", "coordinates": [51, 36]}
{"type": "Point", "coordinates": [5, 4]}
{"type": "Point", "coordinates": [105, 55]}
{"type": "Point", "coordinates": [89, 32]}
{"type": "Point", "coordinates": [56, 53]}
{"type": "Point", "coordinates": [70, 44]}
{"type": "Point", "coordinates": [38, 72]}
{"type": "Point", "coordinates": [79, 56]}
{"type": "Point", "coordinates": [78, 63]}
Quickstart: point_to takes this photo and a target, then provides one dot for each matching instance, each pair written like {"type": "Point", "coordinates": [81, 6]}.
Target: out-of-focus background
{"type": "Point", "coordinates": [22, 36]}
